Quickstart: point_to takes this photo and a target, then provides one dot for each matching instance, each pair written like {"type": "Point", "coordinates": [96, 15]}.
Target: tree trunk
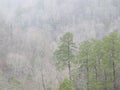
{"type": "Point", "coordinates": [43, 83]}
{"type": "Point", "coordinates": [87, 68]}
{"type": "Point", "coordinates": [114, 76]}
{"type": "Point", "coordinates": [69, 70]}
{"type": "Point", "coordinates": [105, 78]}
{"type": "Point", "coordinates": [69, 64]}
{"type": "Point", "coordinates": [96, 73]}
{"type": "Point", "coordinates": [87, 78]}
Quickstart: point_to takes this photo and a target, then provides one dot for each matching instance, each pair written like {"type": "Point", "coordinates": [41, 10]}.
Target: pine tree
{"type": "Point", "coordinates": [84, 59]}
{"type": "Point", "coordinates": [65, 52]}
{"type": "Point", "coordinates": [111, 54]}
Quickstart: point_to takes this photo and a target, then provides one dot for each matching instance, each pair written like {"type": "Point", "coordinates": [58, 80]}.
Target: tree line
{"type": "Point", "coordinates": [97, 59]}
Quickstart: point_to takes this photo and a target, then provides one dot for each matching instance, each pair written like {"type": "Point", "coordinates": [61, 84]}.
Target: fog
{"type": "Point", "coordinates": [30, 31]}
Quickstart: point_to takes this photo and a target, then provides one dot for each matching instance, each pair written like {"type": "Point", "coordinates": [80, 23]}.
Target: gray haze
{"type": "Point", "coordinates": [30, 30]}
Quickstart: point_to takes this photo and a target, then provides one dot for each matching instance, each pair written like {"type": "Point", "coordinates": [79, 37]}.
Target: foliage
{"type": "Point", "coordinates": [64, 53]}
{"type": "Point", "coordinates": [99, 58]}
{"type": "Point", "coordinates": [66, 85]}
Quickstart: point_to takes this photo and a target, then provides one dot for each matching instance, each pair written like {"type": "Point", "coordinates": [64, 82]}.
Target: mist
{"type": "Point", "coordinates": [30, 31]}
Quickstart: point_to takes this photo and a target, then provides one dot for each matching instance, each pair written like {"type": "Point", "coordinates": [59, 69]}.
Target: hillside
{"type": "Point", "coordinates": [30, 32]}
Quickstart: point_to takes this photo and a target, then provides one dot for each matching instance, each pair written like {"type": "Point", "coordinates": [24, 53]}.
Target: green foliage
{"type": "Point", "coordinates": [97, 58]}
{"type": "Point", "coordinates": [64, 53]}
{"type": "Point", "coordinates": [14, 84]}
{"type": "Point", "coordinates": [84, 52]}
{"type": "Point", "coordinates": [111, 46]}
{"type": "Point", "coordinates": [100, 57]}
{"type": "Point", "coordinates": [66, 85]}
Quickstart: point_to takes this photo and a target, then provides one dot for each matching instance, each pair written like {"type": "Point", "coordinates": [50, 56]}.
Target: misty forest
{"type": "Point", "coordinates": [59, 44]}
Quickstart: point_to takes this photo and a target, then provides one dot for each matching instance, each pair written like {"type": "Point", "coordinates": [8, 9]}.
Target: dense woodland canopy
{"type": "Point", "coordinates": [59, 44]}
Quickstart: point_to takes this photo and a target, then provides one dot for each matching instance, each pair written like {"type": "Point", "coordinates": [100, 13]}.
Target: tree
{"type": "Point", "coordinates": [99, 58]}
{"type": "Point", "coordinates": [111, 54]}
{"type": "Point", "coordinates": [84, 58]}
{"type": "Point", "coordinates": [66, 85]}
{"type": "Point", "coordinates": [96, 71]}
{"type": "Point", "coordinates": [64, 54]}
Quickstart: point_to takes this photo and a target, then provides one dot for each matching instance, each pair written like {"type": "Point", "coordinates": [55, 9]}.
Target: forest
{"type": "Point", "coordinates": [96, 61]}
{"type": "Point", "coordinates": [59, 44]}
{"type": "Point", "coordinates": [93, 64]}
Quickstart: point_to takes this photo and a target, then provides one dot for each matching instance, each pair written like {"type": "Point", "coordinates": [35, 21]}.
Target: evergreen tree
{"type": "Point", "coordinates": [112, 55]}
{"type": "Point", "coordinates": [65, 52]}
{"type": "Point", "coordinates": [84, 59]}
